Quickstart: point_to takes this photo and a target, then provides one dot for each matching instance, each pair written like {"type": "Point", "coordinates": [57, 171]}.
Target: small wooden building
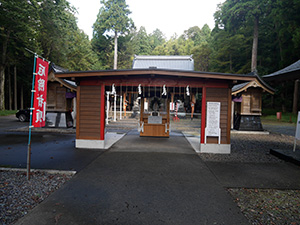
{"type": "Point", "coordinates": [215, 90]}
{"type": "Point", "coordinates": [247, 104]}
{"type": "Point", "coordinates": [61, 96]}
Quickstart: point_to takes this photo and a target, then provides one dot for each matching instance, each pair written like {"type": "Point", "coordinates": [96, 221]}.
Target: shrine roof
{"type": "Point", "coordinates": [163, 62]}
{"type": "Point", "coordinates": [290, 72]}
{"type": "Point", "coordinates": [258, 82]}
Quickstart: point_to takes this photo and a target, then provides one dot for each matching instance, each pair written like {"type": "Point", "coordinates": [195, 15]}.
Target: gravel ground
{"type": "Point", "coordinates": [18, 195]}
{"type": "Point", "coordinates": [268, 206]}
{"type": "Point", "coordinates": [261, 206]}
{"type": "Point", "coordinates": [253, 148]}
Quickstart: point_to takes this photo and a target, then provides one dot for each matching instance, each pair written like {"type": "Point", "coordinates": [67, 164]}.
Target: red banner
{"type": "Point", "coordinates": [40, 95]}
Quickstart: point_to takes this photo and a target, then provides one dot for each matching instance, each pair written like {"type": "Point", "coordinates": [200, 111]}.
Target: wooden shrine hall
{"type": "Point", "coordinates": [156, 89]}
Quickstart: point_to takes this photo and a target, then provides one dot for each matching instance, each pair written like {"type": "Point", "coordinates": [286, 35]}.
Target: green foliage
{"type": "Point", "coordinates": [7, 112]}
{"type": "Point", "coordinates": [50, 29]}
{"type": "Point", "coordinates": [113, 17]}
{"type": "Point", "coordinates": [141, 42]}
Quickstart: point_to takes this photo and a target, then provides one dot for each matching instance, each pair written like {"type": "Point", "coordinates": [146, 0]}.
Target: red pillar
{"type": "Point", "coordinates": [203, 115]}
{"type": "Point", "coordinates": [102, 113]}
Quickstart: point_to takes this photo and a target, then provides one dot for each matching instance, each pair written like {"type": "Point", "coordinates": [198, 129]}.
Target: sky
{"type": "Point", "coordinates": [170, 16]}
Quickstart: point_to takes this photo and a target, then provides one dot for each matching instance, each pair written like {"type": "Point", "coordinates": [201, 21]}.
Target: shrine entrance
{"type": "Point", "coordinates": [157, 110]}
{"type": "Point", "coordinates": [159, 99]}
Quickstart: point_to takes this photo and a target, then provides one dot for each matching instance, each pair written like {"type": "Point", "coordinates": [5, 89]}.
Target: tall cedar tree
{"type": "Point", "coordinates": [113, 19]}
{"type": "Point", "coordinates": [237, 13]}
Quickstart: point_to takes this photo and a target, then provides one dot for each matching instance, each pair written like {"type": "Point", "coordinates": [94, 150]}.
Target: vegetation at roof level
{"type": "Point", "coordinates": [50, 28]}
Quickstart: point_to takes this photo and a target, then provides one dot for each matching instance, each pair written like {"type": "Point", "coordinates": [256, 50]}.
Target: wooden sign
{"type": "Point", "coordinates": [213, 119]}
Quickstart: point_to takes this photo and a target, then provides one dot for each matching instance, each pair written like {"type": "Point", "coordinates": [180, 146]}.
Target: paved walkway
{"type": "Point", "coordinates": [136, 183]}
{"type": "Point", "coordinates": [157, 181]}
{"type": "Point", "coordinates": [141, 181]}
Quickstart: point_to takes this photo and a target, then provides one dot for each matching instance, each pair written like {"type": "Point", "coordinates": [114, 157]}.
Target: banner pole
{"type": "Point", "coordinates": [30, 122]}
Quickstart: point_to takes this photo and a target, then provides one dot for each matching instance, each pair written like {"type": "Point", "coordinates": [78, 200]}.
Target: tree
{"type": "Point", "coordinates": [18, 28]}
{"type": "Point", "coordinates": [234, 14]}
{"type": "Point", "coordinates": [201, 54]}
{"type": "Point", "coordinates": [156, 38]}
{"type": "Point", "coordinates": [113, 19]}
{"type": "Point", "coordinates": [141, 42]}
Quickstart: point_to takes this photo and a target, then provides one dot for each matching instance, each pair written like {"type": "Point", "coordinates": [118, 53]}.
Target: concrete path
{"type": "Point", "coordinates": [141, 181]}
{"type": "Point", "coordinates": [280, 127]}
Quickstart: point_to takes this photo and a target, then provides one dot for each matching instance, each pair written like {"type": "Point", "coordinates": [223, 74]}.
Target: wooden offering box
{"type": "Point", "coordinates": [155, 123]}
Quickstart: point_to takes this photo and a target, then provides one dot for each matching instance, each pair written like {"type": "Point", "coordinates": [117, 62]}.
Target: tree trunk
{"type": "Point", "coordinates": [116, 51]}
{"type": "Point", "coordinates": [283, 107]}
{"type": "Point", "coordinates": [295, 99]}
{"type": "Point", "coordinates": [22, 98]}
{"type": "Point", "coordinates": [2, 81]}
{"type": "Point", "coordinates": [9, 89]}
{"type": "Point", "coordinates": [2, 71]}
{"type": "Point", "coordinates": [15, 88]}
{"type": "Point", "coordinates": [230, 63]}
{"type": "Point", "coordinates": [255, 45]}
{"type": "Point", "coordinates": [279, 41]}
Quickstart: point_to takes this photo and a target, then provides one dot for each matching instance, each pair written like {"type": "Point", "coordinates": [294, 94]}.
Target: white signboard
{"type": "Point", "coordinates": [154, 120]}
{"type": "Point", "coordinates": [297, 135]}
{"type": "Point", "coordinates": [213, 119]}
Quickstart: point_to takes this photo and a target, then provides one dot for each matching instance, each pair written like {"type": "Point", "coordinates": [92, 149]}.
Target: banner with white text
{"type": "Point", "coordinates": [40, 95]}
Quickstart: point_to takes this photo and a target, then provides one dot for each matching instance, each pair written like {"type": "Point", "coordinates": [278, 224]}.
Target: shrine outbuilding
{"type": "Point", "coordinates": [247, 104]}
{"type": "Point", "coordinates": [61, 99]}
{"type": "Point", "coordinates": [157, 90]}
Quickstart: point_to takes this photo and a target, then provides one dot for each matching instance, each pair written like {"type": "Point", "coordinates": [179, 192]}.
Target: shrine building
{"type": "Point", "coordinates": [157, 89]}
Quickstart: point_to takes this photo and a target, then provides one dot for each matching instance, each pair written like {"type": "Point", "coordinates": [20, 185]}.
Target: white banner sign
{"type": "Point", "coordinates": [297, 134]}
{"type": "Point", "coordinates": [213, 119]}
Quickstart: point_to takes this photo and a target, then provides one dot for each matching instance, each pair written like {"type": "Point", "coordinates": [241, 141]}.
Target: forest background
{"type": "Point", "coordinates": [49, 27]}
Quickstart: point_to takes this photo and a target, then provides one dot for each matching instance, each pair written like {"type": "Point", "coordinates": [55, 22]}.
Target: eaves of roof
{"type": "Point", "coordinates": [290, 72]}
{"type": "Point", "coordinates": [152, 71]}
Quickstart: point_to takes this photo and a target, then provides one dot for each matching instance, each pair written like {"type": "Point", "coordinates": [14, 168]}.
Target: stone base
{"type": "Point", "coordinates": [215, 148]}
{"type": "Point", "coordinates": [250, 123]}
{"type": "Point", "coordinates": [90, 144]}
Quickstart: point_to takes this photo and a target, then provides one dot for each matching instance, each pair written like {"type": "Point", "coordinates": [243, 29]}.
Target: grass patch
{"type": "Point", "coordinates": [7, 112]}
{"type": "Point", "coordinates": [270, 114]}
{"type": "Point", "coordinates": [5, 166]}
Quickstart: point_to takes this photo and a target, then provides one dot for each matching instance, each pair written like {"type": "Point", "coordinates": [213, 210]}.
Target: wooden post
{"type": "Point", "coordinates": [9, 89]}
{"type": "Point", "coordinates": [107, 107]}
{"type": "Point", "coordinates": [295, 99]}
{"type": "Point", "coordinates": [102, 113]}
{"type": "Point", "coordinates": [22, 99]}
{"type": "Point", "coordinates": [203, 115]}
{"type": "Point", "coordinates": [124, 104]}
{"type": "Point", "coordinates": [121, 102]}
